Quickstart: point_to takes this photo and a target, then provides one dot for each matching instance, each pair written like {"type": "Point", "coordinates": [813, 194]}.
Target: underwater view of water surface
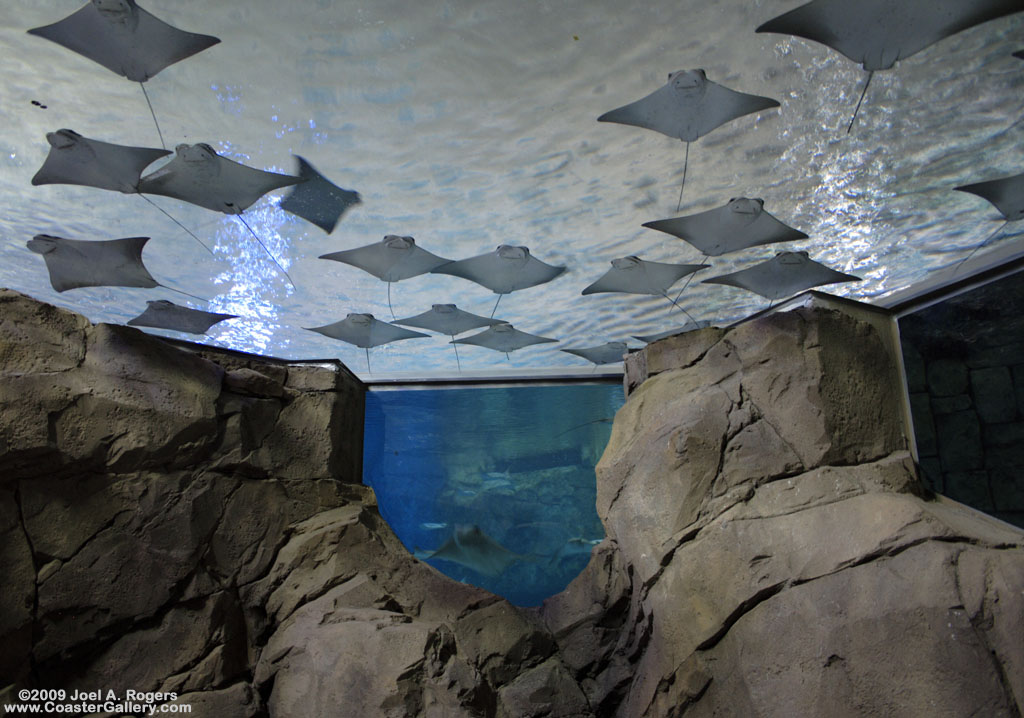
{"type": "Point", "coordinates": [493, 486]}
{"type": "Point", "coordinates": [472, 125]}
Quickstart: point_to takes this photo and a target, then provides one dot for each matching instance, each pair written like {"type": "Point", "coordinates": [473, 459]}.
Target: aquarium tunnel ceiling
{"type": "Point", "coordinates": [469, 126]}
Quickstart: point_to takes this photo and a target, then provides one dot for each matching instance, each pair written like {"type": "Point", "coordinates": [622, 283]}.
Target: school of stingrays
{"type": "Point", "coordinates": [133, 43]}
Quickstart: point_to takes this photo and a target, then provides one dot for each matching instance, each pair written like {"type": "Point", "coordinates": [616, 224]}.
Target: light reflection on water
{"type": "Point", "coordinates": [472, 127]}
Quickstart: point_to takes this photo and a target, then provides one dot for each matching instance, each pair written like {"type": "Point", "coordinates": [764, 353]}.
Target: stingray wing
{"type": "Point", "coordinates": [687, 115]}
{"type": "Point", "coordinates": [788, 273]}
{"type": "Point", "coordinates": [643, 278]}
{"type": "Point", "coordinates": [649, 338]}
{"type": "Point", "coordinates": [720, 105]}
{"type": "Point", "coordinates": [317, 199]}
{"type": "Point", "coordinates": [389, 264]}
{"type": "Point", "coordinates": [74, 263]}
{"type": "Point", "coordinates": [365, 335]}
{"type": "Point", "coordinates": [877, 33]}
{"type": "Point", "coordinates": [716, 233]}
{"type": "Point", "coordinates": [535, 272]}
{"type": "Point", "coordinates": [660, 111]}
{"type": "Point", "coordinates": [137, 47]}
{"type": "Point", "coordinates": [610, 353]}
{"type": "Point", "coordinates": [1006, 194]}
{"type": "Point", "coordinates": [472, 548]}
{"type": "Point", "coordinates": [503, 338]}
{"type": "Point", "coordinates": [499, 275]}
{"type": "Point", "coordinates": [163, 314]}
{"type": "Point", "coordinates": [91, 163]}
{"type": "Point", "coordinates": [452, 321]}
{"type": "Point", "coordinates": [231, 188]}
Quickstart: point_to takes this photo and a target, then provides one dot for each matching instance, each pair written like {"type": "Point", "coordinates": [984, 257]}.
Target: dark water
{"type": "Point", "coordinates": [516, 462]}
{"type": "Point", "coordinates": [964, 359]}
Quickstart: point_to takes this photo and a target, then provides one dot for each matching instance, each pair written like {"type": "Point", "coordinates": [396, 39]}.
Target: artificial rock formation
{"type": "Point", "coordinates": [192, 521]}
{"type": "Point", "coordinates": [771, 551]}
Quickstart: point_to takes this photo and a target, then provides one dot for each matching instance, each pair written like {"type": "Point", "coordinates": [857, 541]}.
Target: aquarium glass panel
{"type": "Point", "coordinates": [493, 486]}
{"type": "Point", "coordinates": [964, 359]}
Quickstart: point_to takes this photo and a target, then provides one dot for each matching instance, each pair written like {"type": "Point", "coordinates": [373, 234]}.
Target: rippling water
{"type": "Point", "coordinates": [472, 124]}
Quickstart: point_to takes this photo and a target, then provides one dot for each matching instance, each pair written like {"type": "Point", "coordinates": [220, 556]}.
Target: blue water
{"type": "Point", "coordinates": [517, 462]}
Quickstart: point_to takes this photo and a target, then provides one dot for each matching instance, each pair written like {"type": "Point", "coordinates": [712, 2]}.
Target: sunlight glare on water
{"type": "Point", "coordinates": [472, 124]}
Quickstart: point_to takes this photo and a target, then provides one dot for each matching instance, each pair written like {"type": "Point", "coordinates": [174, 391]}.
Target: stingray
{"type": "Point", "coordinates": [505, 270]}
{"type": "Point", "coordinates": [199, 176]}
{"type": "Point", "coordinates": [78, 160]}
{"type": "Point", "coordinates": [633, 275]}
{"type": "Point", "coordinates": [365, 332]}
{"type": "Point", "coordinates": [503, 338]}
{"type": "Point", "coordinates": [317, 199]}
{"type": "Point", "coordinates": [878, 33]}
{"type": "Point", "coordinates": [577, 546]}
{"type": "Point", "coordinates": [392, 259]}
{"type": "Point", "coordinates": [688, 107]}
{"type": "Point", "coordinates": [448, 319]}
{"type": "Point", "coordinates": [609, 353]}
{"type": "Point", "coordinates": [1006, 195]}
{"type": "Point", "coordinates": [469, 546]}
{"type": "Point", "coordinates": [163, 314]}
{"type": "Point", "coordinates": [125, 39]}
{"type": "Point", "coordinates": [74, 263]}
{"type": "Point", "coordinates": [1019, 54]}
{"type": "Point", "coordinates": [740, 224]}
{"type": "Point", "coordinates": [784, 275]}
{"type": "Point", "coordinates": [650, 338]}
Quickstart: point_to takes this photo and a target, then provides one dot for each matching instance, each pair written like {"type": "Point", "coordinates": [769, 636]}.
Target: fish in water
{"type": "Point", "coordinates": [74, 263]}
{"type": "Point", "coordinates": [392, 259]}
{"type": "Point", "coordinates": [574, 547]}
{"type": "Point", "coordinates": [687, 107]}
{"type": "Point", "coordinates": [469, 546]}
{"type": "Point", "coordinates": [878, 33]}
{"type": "Point", "coordinates": [782, 276]}
{"type": "Point", "coordinates": [126, 40]}
{"type": "Point", "coordinates": [507, 269]}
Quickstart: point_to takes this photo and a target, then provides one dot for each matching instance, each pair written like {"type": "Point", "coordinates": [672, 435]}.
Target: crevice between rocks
{"type": "Point", "coordinates": [35, 630]}
{"type": "Point", "coordinates": [741, 610]}
{"type": "Point", "coordinates": [981, 623]}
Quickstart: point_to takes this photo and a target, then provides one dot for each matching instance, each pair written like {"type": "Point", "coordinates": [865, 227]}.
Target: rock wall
{"type": "Point", "coordinates": [192, 521]}
{"type": "Point", "coordinates": [771, 551]}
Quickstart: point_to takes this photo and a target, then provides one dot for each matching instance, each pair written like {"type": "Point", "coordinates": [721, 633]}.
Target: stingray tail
{"type": "Point", "coordinates": [686, 163]}
{"type": "Point", "coordinates": [205, 301]}
{"type": "Point", "coordinates": [678, 306]}
{"type": "Point", "coordinates": [272, 258]}
{"type": "Point", "coordinates": [368, 369]}
{"type": "Point", "coordinates": [456, 348]}
{"type": "Point", "coordinates": [168, 215]}
{"type": "Point", "coordinates": [390, 309]}
{"type": "Point", "coordinates": [496, 305]}
{"type": "Point", "coordinates": [685, 285]}
{"type": "Point", "coordinates": [146, 95]}
{"type": "Point", "coordinates": [862, 93]}
{"type": "Point", "coordinates": [973, 251]}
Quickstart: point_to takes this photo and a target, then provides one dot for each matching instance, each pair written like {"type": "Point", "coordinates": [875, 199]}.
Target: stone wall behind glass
{"type": "Point", "coordinates": [964, 360]}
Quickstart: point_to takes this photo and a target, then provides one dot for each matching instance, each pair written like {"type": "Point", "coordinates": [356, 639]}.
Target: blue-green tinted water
{"type": "Point", "coordinates": [517, 462]}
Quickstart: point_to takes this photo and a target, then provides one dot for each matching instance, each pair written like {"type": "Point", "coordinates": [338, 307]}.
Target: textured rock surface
{"type": "Point", "coordinates": [192, 522]}
{"type": "Point", "coordinates": [770, 550]}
